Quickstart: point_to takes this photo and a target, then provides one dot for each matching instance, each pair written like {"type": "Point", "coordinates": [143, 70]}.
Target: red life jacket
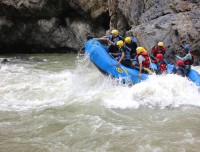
{"type": "Point", "coordinates": [162, 67]}
{"type": "Point", "coordinates": [157, 50]}
{"type": "Point", "coordinates": [145, 63]}
{"type": "Point", "coordinates": [189, 62]}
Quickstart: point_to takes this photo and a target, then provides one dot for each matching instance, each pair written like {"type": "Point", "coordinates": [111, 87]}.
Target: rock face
{"type": "Point", "coordinates": [46, 25]}
{"type": "Point", "coordinates": [175, 22]}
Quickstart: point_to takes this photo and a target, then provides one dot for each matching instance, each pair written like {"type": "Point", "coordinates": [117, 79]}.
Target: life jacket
{"type": "Point", "coordinates": [127, 52]}
{"type": "Point", "coordinates": [179, 68]}
{"type": "Point", "coordinates": [157, 50]}
{"type": "Point", "coordinates": [133, 40]}
{"type": "Point", "coordinates": [189, 62]}
{"type": "Point", "coordinates": [132, 46]}
{"type": "Point", "coordinates": [183, 71]}
{"type": "Point", "coordinates": [116, 39]}
{"type": "Point", "coordinates": [145, 63]}
{"type": "Point", "coordinates": [161, 66]}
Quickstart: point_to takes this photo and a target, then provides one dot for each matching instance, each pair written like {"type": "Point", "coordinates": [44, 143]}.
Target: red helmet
{"type": "Point", "coordinates": [180, 62]}
{"type": "Point", "coordinates": [159, 56]}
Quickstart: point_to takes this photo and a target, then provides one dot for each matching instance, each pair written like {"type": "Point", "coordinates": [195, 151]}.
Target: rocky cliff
{"type": "Point", "coordinates": [60, 25]}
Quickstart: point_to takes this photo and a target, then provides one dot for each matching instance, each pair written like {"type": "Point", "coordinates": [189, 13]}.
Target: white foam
{"type": "Point", "coordinates": [24, 87]}
{"type": "Point", "coordinates": [157, 91]}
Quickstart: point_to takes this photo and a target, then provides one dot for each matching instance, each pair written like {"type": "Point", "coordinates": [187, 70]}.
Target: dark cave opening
{"type": "Point", "coordinates": [14, 39]}
{"type": "Point", "coordinates": [103, 20]}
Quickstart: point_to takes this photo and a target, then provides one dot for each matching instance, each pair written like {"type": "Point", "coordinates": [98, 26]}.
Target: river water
{"type": "Point", "coordinates": [62, 103]}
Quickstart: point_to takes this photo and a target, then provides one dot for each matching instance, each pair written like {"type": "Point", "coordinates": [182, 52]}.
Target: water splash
{"type": "Point", "coordinates": [158, 91]}
{"type": "Point", "coordinates": [34, 86]}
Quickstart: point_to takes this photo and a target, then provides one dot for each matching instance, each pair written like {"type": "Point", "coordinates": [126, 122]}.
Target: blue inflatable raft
{"type": "Point", "coordinates": [107, 64]}
{"type": "Point", "coordinates": [193, 75]}
{"type": "Point", "coordinates": [98, 54]}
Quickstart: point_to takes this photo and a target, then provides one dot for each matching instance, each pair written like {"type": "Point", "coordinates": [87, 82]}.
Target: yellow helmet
{"type": "Point", "coordinates": [115, 32]}
{"type": "Point", "coordinates": [160, 44]}
{"type": "Point", "coordinates": [128, 40]}
{"type": "Point", "coordinates": [140, 49]}
{"type": "Point", "coordinates": [120, 43]}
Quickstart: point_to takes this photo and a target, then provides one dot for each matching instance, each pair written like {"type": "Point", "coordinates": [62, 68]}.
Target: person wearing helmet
{"type": "Point", "coordinates": [161, 63]}
{"type": "Point", "coordinates": [142, 58]}
{"type": "Point", "coordinates": [124, 55]}
{"type": "Point", "coordinates": [113, 38]}
{"type": "Point", "coordinates": [131, 43]}
{"type": "Point", "coordinates": [188, 59]}
{"type": "Point", "coordinates": [179, 69]}
{"type": "Point", "coordinates": [159, 48]}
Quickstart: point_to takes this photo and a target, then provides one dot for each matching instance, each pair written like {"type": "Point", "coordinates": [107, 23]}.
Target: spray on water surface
{"type": "Point", "coordinates": [63, 103]}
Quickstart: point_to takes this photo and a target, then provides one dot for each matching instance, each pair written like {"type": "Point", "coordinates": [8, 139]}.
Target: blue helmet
{"type": "Point", "coordinates": [187, 47]}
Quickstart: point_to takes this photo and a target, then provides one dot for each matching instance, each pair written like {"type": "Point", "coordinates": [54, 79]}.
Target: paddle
{"type": "Point", "coordinates": [153, 57]}
{"type": "Point", "coordinates": [101, 39]}
{"type": "Point", "coordinates": [90, 37]}
{"type": "Point", "coordinates": [146, 69]}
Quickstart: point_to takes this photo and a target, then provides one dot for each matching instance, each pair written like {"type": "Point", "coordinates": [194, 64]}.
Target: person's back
{"type": "Point", "coordinates": [142, 59]}
{"type": "Point", "coordinates": [161, 63]}
{"type": "Point", "coordinates": [188, 59]}
{"type": "Point", "coordinates": [131, 43]}
{"type": "Point", "coordinates": [124, 55]}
